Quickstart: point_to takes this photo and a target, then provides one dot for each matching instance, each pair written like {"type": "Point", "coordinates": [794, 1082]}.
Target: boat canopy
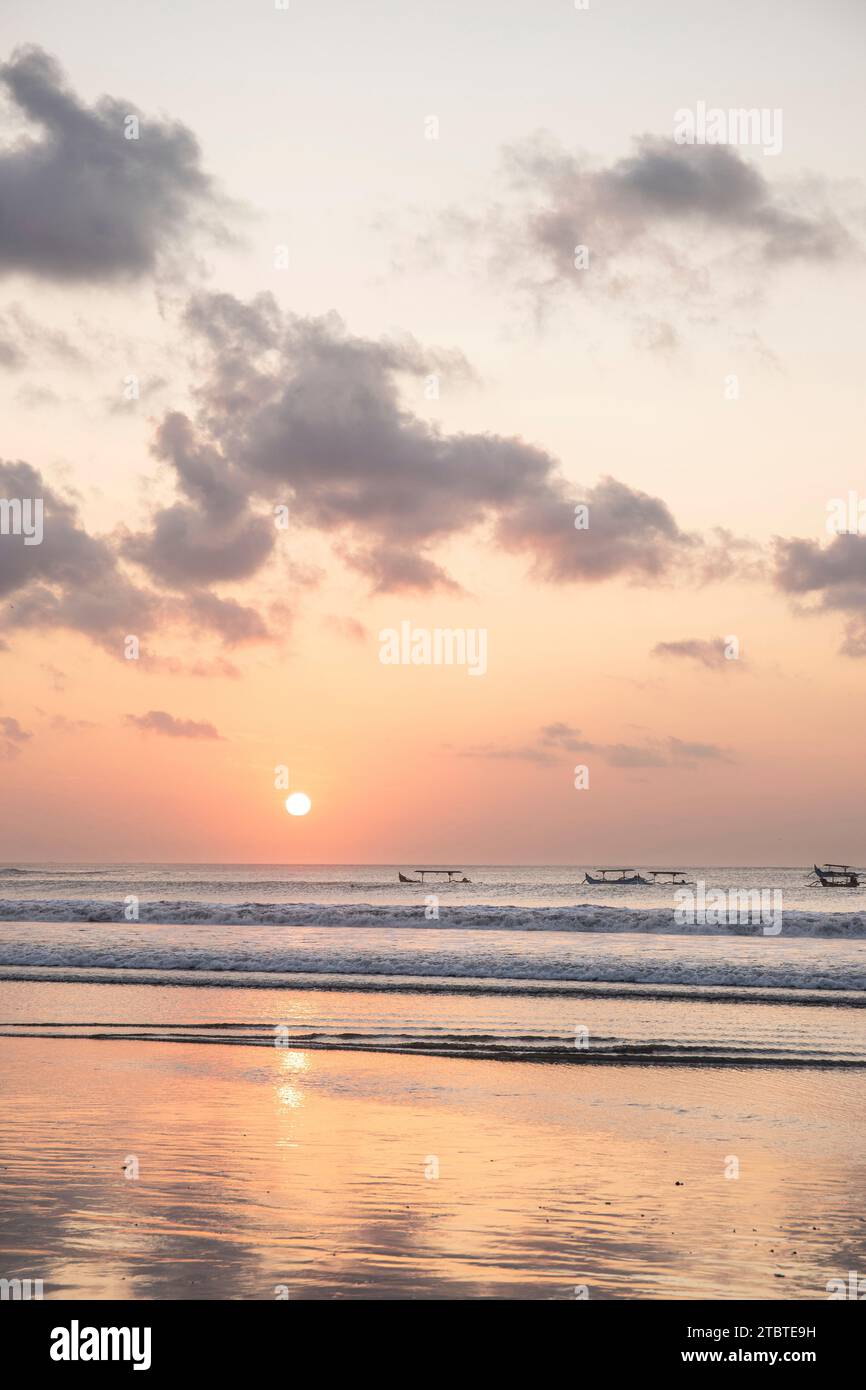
{"type": "Point", "coordinates": [449, 873]}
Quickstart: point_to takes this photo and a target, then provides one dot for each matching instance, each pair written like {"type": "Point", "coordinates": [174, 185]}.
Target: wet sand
{"type": "Point", "coordinates": [271, 1172]}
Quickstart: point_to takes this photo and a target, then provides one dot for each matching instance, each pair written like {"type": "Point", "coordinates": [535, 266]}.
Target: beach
{"type": "Point", "coordinates": [287, 1083]}
{"type": "Point", "coordinates": [262, 1169]}
{"type": "Point", "coordinates": [269, 1173]}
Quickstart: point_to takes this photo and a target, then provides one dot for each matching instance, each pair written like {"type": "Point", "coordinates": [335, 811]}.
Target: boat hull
{"type": "Point", "coordinates": [836, 880]}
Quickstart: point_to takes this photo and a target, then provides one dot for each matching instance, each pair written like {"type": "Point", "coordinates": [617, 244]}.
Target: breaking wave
{"type": "Point", "coordinates": [578, 917]}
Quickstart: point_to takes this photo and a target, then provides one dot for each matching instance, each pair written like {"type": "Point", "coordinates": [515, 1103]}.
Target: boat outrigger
{"type": "Point", "coordinates": [627, 878]}
{"type": "Point", "coordinates": [451, 874]}
{"type": "Point", "coordinates": [838, 875]}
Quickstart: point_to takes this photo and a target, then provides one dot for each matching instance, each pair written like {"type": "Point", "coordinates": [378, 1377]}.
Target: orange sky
{"type": "Point", "coordinates": [412, 243]}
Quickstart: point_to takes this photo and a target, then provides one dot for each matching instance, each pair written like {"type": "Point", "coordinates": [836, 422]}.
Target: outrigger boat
{"type": "Point", "coordinates": [676, 877]}
{"type": "Point", "coordinates": [837, 876]}
{"type": "Point", "coordinates": [627, 878]}
{"type": "Point", "coordinates": [451, 874]}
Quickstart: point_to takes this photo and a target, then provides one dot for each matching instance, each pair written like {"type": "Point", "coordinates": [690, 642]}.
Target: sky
{"type": "Point", "coordinates": [298, 347]}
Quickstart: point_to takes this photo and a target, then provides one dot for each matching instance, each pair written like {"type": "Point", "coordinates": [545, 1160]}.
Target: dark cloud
{"type": "Point", "coordinates": [212, 536]}
{"type": "Point", "coordinates": [12, 737]}
{"type": "Point", "coordinates": [669, 227]}
{"type": "Point", "coordinates": [391, 569]}
{"type": "Point", "coordinates": [159, 722]}
{"type": "Point", "coordinates": [836, 572]}
{"type": "Point", "coordinates": [67, 555]}
{"type": "Point", "coordinates": [825, 578]}
{"type": "Point", "coordinates": [78, 200]}
{"type": "Point", "coordinates": [234, 622]}
{"type": "Point", "coordinates": [553, 740]}
{"type": "Point", "coordinates": [71, 579]}
{"type": "Point", "coordinates": [628, 533]}
{"type": "Point", "coordinates": [298, 412]}
{"type": "Point", "coordinates": [709, 652]}
{"type": "Point", "coordinates": [74, 580]}
{"type": "Point", "coordinates": [664, 185]}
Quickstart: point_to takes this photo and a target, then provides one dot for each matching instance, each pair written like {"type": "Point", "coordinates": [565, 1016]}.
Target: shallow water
{"type": "Point", "coordinates": [568, 1029]}
{"type": "Point", "coordinates": [287, 1172]}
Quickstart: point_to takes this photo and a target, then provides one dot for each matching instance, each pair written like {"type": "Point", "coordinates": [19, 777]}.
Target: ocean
{"type": "Point", "coordinates": [331, 1083]}
{"type": "Point", "coordinates": [521, 963]}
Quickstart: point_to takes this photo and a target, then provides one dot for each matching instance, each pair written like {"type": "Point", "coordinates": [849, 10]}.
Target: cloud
{"type": "Point", "coordinates": [71, 579]}
{"type": "Point", "coordinates": [212, 535]}
{"type": "Point", "coordinates": [159, 722]}
{"type": "Point", "coordinates": [663, 185]}
{"type": "Point", "coordinates": [236, 623]}
{"type": "Point", "coordinates": [347, 627]}
{"type": "Point", "coordinates": [562, 734]}
{"type": "Point", "coordinates": [723, 555]}
{"type": "Point", "coordinates": [149, 389]}
{"type": "Point", "coordinates": [58, 678]}
{"type": "Point", "coordinates": [299, 412]}
{"type": "Point", "coordinates": [23, 340]}
{"type": "Point", "coordinates": [12, 737]}
{"type": "Point", "coordinates": [553, 740]}
{"type": "Point", "coordinates": [667, 222]}
{"type": "Point", "coordinates": [81, 202]}
{"type": "Point", "coordinates": [74, 580]}
{"type": "Point", "coordinates": [628, 533]}
{"type": "Point", "coordinates": [828, 577]}
{"type": "Point", "coordinates": [219, 668]}
{"type": "Point", "coordinates": [62, 581]}
{"type": "Point", "coordinates": [706, 652]}
{"type": "Point", "coordinates": [527, 752]}
{"type": "Point", "coordinates": [70, 726]}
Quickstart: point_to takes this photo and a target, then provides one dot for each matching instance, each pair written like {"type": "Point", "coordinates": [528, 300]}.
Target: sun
{"type": "Point", "coordinates": [298, 804]}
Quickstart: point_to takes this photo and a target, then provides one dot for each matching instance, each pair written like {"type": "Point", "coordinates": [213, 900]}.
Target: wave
{"type": "Point", "coordinates": [577, 917]}
{"type": "Point", "coordinates": [477, 918]}
{"type": "Point", "coordinates": [841, 992]}
{"type": "Point", "coordinates": [493, 1047]}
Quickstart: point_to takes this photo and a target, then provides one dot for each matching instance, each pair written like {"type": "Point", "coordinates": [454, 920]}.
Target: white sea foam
{"type": "Point", "coordinates": [579, 917]}
{"type": "Point", "coordinates": [270, 950]}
